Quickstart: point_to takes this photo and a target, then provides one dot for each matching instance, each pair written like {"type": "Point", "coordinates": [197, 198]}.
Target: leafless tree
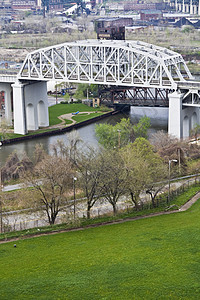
{"type": "Point", "coordinates": [113, 177]}
{"type": "Point", "coordinates": [90, 168]}
{"type": "Point", "coordinates": [51, 178]}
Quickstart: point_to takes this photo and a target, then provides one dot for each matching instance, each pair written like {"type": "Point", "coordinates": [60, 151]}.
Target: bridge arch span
{"type": "Point", "coordinates": [123, 63]}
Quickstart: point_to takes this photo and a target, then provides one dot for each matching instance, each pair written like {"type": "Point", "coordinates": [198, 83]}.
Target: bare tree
{"type": "Point", "coordinates": [39, 153]}
{"type": "Point", "coordinates": [51, 179]}
{"type": "Point", "coordinates": [14, 167]}
{"type": "Point", "coordinates": [71, 151]}
{"type": "Point", "coordinates": [161, 139]}
{"type": "Point", "coordinates": [89, 167]}
{"type": "Point", "coordinates": [153, 191]}
{"type": "Point", "coordinates": [113, 177]}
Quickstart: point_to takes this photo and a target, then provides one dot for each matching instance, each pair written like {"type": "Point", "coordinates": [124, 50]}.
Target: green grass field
{"type": "Point", "coordinates": [60, 109]}
{"type": "Point", "coordinates": [83, 117]}
{"type": "Point", "coordinates": [155, 258]}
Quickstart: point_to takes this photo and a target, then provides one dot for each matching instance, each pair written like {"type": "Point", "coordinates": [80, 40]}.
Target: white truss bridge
{"type": "Point", "coordinates": [120, 63]}
{"type": "Point", "coordinates": [152, 72]}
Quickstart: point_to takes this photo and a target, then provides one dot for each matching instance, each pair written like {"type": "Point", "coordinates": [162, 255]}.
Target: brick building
{"type": "Point", "coordinates": [147, 15]}
{"type": "Point", "coordinates": [112, 28]}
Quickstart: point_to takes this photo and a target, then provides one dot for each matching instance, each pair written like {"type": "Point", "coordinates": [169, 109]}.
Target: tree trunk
{"type": "Point", "coordinates": [114, 209]}
{"type": "Point", "coordinates": [88, 212]}
{"type": "Point", "coordinates": [153, 201]}
{"type": "Point", "coordinates": [134, 201]}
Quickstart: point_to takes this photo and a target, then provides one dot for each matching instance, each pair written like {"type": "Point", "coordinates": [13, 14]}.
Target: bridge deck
{"type": "Point", "coordinates": [189, 85]}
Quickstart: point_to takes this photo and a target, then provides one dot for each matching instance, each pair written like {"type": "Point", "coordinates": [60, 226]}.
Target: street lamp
{"type": "Point", "coordinates": [171, 160]}
{"type": "Point", "coordinates": [74, 189]}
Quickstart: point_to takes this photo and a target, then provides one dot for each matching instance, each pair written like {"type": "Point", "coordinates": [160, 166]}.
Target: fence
{"type": "Point", "coordinates": [162, 200]}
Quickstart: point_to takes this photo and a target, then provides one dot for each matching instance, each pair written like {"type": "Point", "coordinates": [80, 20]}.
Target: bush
{"type": "Point", "coordinates": [64, 102]}
{"type": "Point", "coordinates": [104, 108]}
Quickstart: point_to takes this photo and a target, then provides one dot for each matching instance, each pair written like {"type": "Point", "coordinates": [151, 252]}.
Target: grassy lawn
{"type": "Point", "coordinates": [61, 109]}
{"type": "Point", "coordinates": [155, 258]}
{"type": "Point", "coordinates": [83, 117]}
{"type": "Point", "coordinates": [68, 122]}
{"type": "Point", "coordinates": [184, 197]}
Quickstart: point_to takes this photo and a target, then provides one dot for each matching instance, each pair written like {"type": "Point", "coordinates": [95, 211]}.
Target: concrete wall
{"type": "Point", "coordinates": [158, 115]}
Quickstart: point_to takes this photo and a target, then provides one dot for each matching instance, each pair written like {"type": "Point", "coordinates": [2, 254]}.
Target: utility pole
{"type": "Point", "coordinates": [74, 189]}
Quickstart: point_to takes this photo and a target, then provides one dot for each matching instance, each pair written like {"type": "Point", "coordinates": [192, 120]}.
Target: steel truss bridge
{"type": "Point", "coordinates": [133, 72]}
{"type": "Point", "coordinates": [136, 96]}
{"type": "Point", "coordinates": [144, 71]}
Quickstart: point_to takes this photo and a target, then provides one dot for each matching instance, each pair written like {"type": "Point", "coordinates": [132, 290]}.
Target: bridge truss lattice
{"type": "Point", "coordinates": [119, 63]}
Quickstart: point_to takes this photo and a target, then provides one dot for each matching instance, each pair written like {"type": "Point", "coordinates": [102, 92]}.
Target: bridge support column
{"type": "Point", "coordinates": [175, 127]}
{"type": "Point", "coordinates": [30, 106]}
{"type": "Point", "coordinates": [19, 108]}
{"type": "Point", "coordinates": [36, 102]}
{"type": "Point", "coordinates": [182, 118]}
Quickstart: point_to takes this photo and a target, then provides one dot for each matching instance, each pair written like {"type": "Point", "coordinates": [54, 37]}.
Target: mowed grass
{"type": "Point", "coordinates": [60, 109]}
{"type": "Point", "coordinates": [83, 117]}
{"type": "Point", "coordinates": [154, 258]}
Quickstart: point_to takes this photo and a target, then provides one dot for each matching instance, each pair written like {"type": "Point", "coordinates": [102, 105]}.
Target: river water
{"type": "Point", "coordinates": [87, 133]}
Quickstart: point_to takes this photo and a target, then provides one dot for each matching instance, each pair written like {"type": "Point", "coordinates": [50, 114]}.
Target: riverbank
{"type": "Point", "coordinates": [59, 130]}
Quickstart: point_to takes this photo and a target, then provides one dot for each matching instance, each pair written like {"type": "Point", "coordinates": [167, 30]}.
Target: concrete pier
{"type": "Point", "coordinates": [181, 119]}
{"type": "Point", "coordinates": [30, 105]}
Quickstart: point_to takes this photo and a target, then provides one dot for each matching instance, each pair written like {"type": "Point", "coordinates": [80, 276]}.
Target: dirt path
{"type": "Point", "coordinates": [185, 207]}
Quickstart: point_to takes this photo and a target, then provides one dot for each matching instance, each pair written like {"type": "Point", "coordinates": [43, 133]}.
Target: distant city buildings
{"type": "Point", "coordinates": [186, 6]}
{"type": "Point", "coordinates": [112, 28]}
{"type": "Point", "coordinates": [23, 5]}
